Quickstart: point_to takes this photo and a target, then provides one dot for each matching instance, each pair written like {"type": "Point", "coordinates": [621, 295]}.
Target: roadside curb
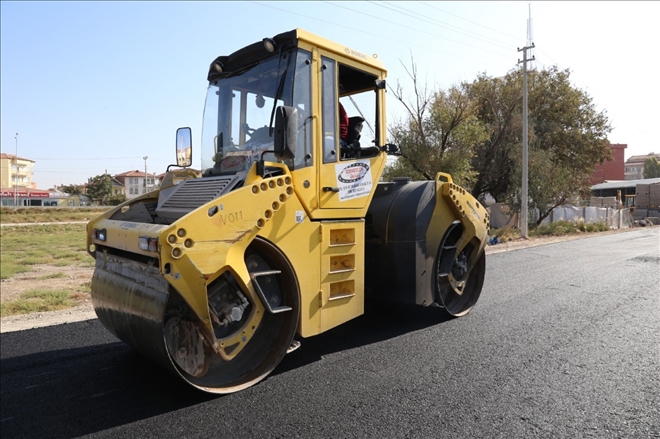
{"type": "Point", "coordinates": [23, 322]}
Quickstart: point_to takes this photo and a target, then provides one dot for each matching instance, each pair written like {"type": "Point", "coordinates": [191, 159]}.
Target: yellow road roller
{"type": "Point", "coordinates": [286, 228]}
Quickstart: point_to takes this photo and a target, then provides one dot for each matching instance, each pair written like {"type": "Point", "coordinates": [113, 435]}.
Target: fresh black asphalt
{"type": "Point", "coordinates": [564, 342]}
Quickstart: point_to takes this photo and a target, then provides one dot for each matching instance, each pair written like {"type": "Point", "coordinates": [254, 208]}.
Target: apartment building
{"type": "Point", "coordinates": [15, 171]}
{"type": "Point", "coordinates": [634, 167]}
{"type": "Point", "coordinates": [16, 185]}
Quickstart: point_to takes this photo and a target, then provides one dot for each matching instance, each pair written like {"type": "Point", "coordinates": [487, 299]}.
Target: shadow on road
{"type": "Point", "coordinates": [380, 322]}
{"type": "Point", "coordinates": [59, 391]}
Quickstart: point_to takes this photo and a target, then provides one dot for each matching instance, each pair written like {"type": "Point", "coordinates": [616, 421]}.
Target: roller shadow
{"type": "Point", "coordinates": [380, 322]}
{"type": "Point", "coordinates": [52, 389]}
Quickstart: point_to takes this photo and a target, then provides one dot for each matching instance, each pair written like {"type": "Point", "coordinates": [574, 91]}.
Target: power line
{"type": "Point", "coordinates": [373, 34]}
{"type": "Point", "coordinates": [469, 21]}
{"type": "Point", "coordinates": [443, 25]}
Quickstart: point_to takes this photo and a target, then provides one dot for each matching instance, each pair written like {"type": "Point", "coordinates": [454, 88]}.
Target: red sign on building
{"type": "Point", "coordinates": [24, 194]}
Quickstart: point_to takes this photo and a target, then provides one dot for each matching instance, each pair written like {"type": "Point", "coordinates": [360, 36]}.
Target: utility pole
{"type": "Point", "coordinates": [524, 202]}
{"type": "Point", "coordinates": [16, 175]}
{"type": "Point", "coordinates": [145, 173]}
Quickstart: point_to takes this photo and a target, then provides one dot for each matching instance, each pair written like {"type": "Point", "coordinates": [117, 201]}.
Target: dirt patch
{"type": "Point", "coordinates": [48, 277]}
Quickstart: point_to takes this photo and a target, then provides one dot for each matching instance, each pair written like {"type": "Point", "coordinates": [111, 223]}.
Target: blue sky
{"type": "Point", "coordinates": [95, 86]}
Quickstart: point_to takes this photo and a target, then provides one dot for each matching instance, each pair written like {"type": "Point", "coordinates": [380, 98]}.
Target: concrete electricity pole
{"type": "Point", "coordinates": [145, 173]}
{"type": "Point", "coordinates": [16, 175]}
{"type": "Point", "coordinates": [524, 202]}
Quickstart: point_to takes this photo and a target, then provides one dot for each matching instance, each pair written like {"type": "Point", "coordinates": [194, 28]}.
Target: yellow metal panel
{"type": "Point", "coordinates": [348, 53]}
{"type": "Point", "coordinates": [94, 224]}
{"type": "Point", "coordinates": [356, 181]}
{"type": "Point", "coordinates": [123, 235]}
{"type": "Point", "coordinates": [299, 239]}
{"type": "Point", "coordinates": [305, 186]}
{"type": "Point", "coordinates": [455, 203]}
{"type": "Point", "coordinates": [342, 272]}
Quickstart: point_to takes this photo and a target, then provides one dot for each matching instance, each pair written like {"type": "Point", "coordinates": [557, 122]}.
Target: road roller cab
{"type": "Point", "coordinates": [286, 228]}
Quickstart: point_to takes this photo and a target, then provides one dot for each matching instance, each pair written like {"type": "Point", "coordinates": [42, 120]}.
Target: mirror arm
{"type": "Point", "coordinates": [261, 166]}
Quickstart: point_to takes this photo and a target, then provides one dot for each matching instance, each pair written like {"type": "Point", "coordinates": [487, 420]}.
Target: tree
{"type": "Point", "coordinates": [71, 189]}
{"type": "Point", "coordinates": [115, 199]}
{"type": "Point", "coordinates": [569, 137]}
{"type": "Point", "coordinates": [474, 131]}
{"type": "Point", "coordinates": [437, 134]}
{"type": "Point", "coordinates": [99, 188]}
{"type": "Point", "coordinates": [497, 103]}
{"type": "Point", "coordinates": [651, 167]}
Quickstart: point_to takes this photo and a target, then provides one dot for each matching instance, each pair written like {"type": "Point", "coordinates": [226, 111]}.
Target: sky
{"type": "Point", "coordinates": [93, 87]}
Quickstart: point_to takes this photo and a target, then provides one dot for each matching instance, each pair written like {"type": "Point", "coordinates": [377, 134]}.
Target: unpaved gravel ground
{"type": "Point", "coordinates": [74, 276]}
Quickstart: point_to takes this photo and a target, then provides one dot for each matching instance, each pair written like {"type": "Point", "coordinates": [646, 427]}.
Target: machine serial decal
{"type": "Point", "coordinates": [354, 180]}
{"type": "Point", "coordinates": [231, 217]}
{"type": "Point", "coordinates": [300, 216]}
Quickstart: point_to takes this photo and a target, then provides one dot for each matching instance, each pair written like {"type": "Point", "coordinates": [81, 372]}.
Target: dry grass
{"type": "Point", "coordinates": [37, 301]}
{"type": "Point", "coordinates": [9, 215]}
{"type": "Point", "coordinates": [43, 268]}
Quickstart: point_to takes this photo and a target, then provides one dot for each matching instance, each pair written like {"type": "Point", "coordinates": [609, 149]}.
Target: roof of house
{"type": "Point", "coordinates": [135, 173]}
{"type": "Point", "coordinates": [116, 182]}
{"type": "Point", "coordinates": [641, 158]}
{"type": "Point", "coordinates": [13, 156]}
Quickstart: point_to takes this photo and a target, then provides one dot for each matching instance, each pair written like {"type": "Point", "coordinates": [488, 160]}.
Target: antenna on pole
{"type": "Point", "coordinates": [530, 38]}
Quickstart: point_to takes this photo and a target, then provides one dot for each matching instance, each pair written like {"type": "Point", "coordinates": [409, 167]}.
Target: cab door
{"type": "Point", "coordinates": [346, 182]}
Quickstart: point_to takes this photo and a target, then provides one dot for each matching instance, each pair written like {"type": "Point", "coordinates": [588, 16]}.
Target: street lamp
{"type": "Point", "coordinates": [145, 173]}
{"type": "Point", "coordinates": [16, 175]}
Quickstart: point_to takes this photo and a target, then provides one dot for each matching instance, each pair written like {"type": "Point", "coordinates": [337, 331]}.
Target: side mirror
{"type": "Point", "coordinates": [391, 149]}
{"type": "Point", "coordinates": [183, 147]}
{"type": "Point", "coordinates": [286, 132]}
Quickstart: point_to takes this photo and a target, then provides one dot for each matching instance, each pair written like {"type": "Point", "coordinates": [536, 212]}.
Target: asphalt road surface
{"type": "Point", "coordinates": [564, 342]}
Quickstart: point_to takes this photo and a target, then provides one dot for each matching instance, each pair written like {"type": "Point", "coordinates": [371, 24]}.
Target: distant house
{"type": "Point", "coordinates": [134, 183]}
{"type": "Point", "coordinates": [117, 187]}
{"type": "Point", "coordinates": [634, 167]}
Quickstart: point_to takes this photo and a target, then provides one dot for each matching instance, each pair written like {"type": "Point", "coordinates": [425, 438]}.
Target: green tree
{"type": "Point", "coordinates": [474, 131]}
{"type": "Point", "coordinates": [71, 189]}
{"type": "Point", "coordinates": [651, 167]}
{"type": "Point", "coordinates": [438, 133]}
{"type": "Point", "coordinates": [115, 199]}
{"type": "Point", "coordinates": [99, 188]}
{"type": "Point", "coordinates": [568, 137]}
{"type": "Point", "coordinates": [497, 103]}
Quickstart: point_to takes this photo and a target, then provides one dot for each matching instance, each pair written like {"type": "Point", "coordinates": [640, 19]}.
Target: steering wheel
{"type": "Point", "coordinates": [257, 134]}
{"type": "Point", "coordinates": [248, 130]}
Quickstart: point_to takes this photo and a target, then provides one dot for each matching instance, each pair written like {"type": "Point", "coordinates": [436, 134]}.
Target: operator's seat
{"type": "Point", "coordinates": [353, 140]}
{"type": "Point", "coordinates": [354, 130]}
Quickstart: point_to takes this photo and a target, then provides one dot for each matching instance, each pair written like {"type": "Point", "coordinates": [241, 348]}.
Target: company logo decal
{"type": "Point", "coordinates": [353, 173]}
{"type": "Point", "coordinates": [354, 180]}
